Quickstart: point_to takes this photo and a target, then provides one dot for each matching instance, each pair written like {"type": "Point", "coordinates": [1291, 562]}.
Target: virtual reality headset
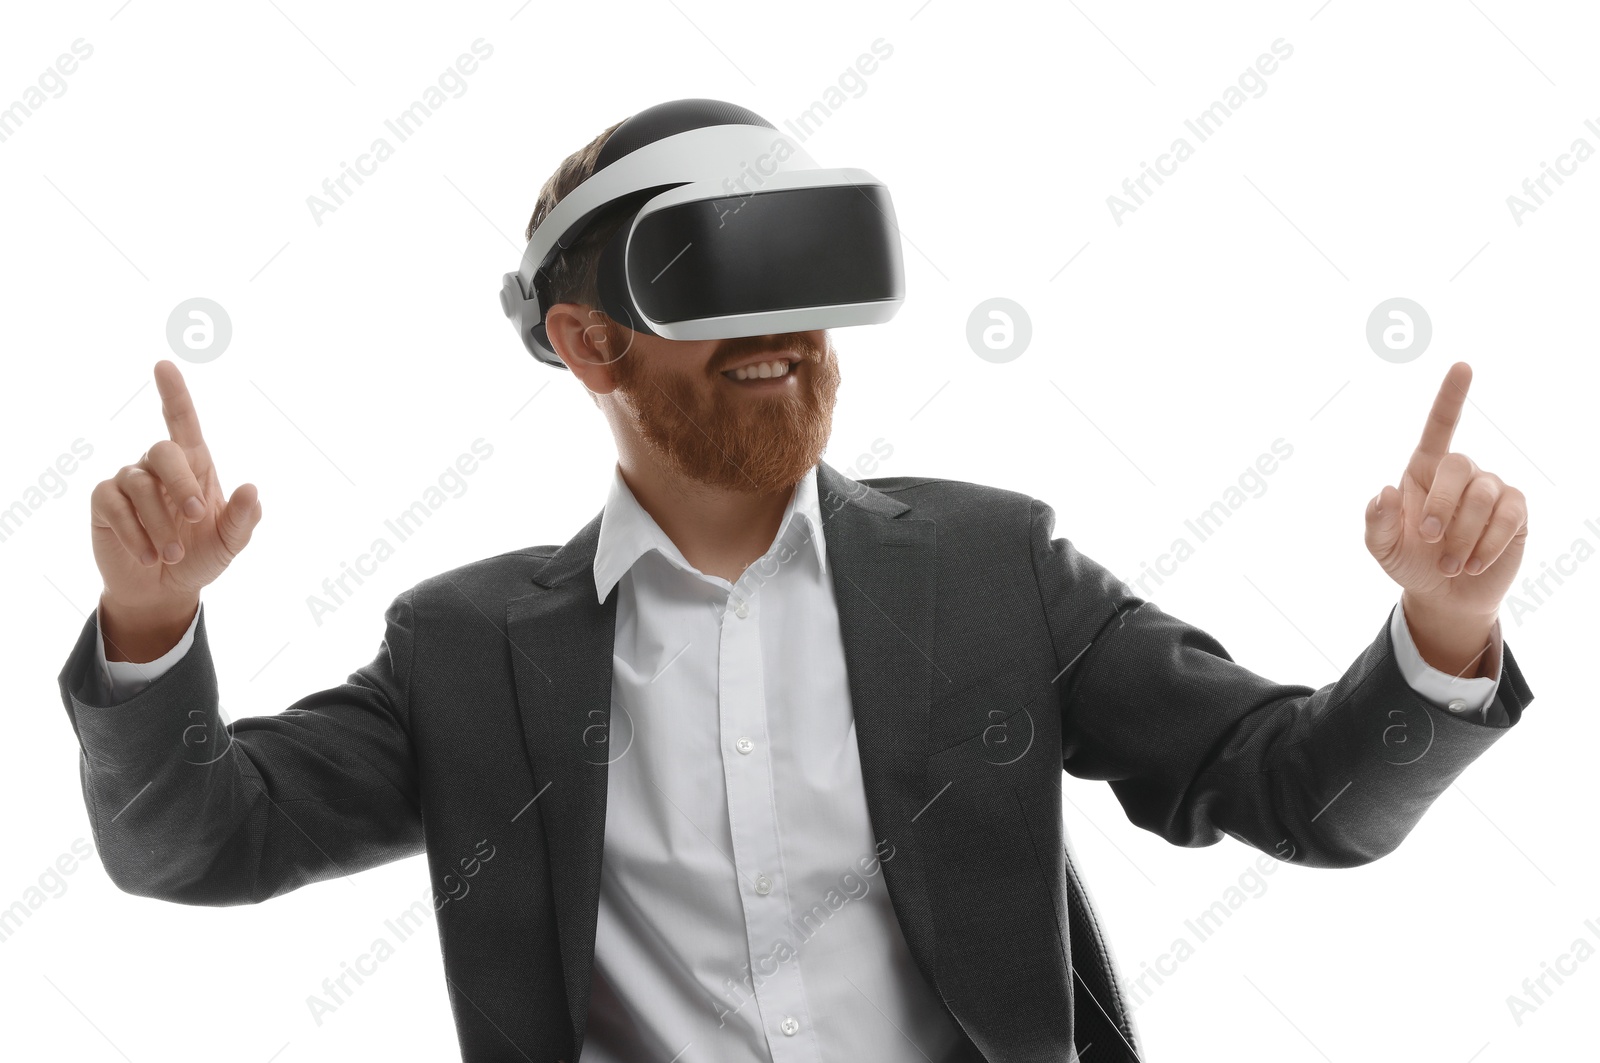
{"type": "Point", "coordinates": [729, 230]}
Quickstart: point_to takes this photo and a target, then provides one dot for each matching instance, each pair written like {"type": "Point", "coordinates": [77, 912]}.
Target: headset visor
{"type": "Point", "coordinates": [766, 251]}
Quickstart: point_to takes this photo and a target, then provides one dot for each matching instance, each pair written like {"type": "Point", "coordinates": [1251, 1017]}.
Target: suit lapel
{"type": "Point", "coordinates": [884, 583]}
{"type": "Point", "coordinates": [561, 651]}
{"type": "Point", "coordinates": [882, 570]}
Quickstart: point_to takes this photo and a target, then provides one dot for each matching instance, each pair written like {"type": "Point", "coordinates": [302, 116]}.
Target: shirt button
{"type": "Point", "coordinates": [763, 885]}
{"type": "Point", "coordinates": [744, 745]}
{"type": "Point", "coordinates": [741, 610]}
{"type": "Point", "coordinates": [790, 1025]}
{"type": "Point", "coordinates": [1457, 705]}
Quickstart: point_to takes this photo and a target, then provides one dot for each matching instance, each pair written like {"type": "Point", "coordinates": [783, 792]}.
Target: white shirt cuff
{"type": "Point", "coordinates": [1463, 697]}
{"type": "Point", "coordinates": [124, 679]}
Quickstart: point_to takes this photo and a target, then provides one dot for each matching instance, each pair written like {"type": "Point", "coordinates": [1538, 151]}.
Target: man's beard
{"type": "Point", "coordinates": [754, 443]}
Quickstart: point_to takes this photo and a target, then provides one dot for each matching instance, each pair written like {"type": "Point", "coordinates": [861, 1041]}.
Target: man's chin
{"type": "Point", "coordinates": [754, 473]}
{"type": "Point", "coordinates": [752, 462]}
{"type": "Point", "coordinates": [761, 442]}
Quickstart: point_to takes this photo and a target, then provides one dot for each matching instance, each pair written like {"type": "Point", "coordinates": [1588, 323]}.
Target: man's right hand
{"type": "Point", "coordinates": [162, 530]}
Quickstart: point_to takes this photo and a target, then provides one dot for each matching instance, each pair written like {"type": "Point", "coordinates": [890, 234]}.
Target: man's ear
{"type": "Point", "coordinates": [578, 335]}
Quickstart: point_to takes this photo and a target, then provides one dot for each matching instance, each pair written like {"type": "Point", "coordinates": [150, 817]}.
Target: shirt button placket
{"type": "Point", "coordinates": [780, 999]}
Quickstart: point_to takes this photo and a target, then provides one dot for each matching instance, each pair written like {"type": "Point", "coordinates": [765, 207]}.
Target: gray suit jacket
{"type": "Point", "coordinates": [984, 658]}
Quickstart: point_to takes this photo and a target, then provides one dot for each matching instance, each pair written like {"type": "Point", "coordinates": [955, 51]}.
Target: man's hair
{"type": "Point", "coordinates": [573, 271]}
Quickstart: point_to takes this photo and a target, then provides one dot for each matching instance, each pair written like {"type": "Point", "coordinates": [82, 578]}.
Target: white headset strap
{"type": "Point", "coordinates": [710, 153]}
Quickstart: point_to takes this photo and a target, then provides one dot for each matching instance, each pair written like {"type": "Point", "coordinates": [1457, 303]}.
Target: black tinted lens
{"type": "Point", "coordinates": [776, 250]}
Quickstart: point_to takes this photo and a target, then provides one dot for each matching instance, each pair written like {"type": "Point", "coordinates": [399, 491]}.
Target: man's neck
{"type": "Point", "coordinates": [719, 531]}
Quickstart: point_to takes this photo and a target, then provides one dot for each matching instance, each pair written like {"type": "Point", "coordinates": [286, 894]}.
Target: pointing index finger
{"type": "Point", "coordinates": [183, 423]}
{"type": "Point", "coordinates": [1442, 420]}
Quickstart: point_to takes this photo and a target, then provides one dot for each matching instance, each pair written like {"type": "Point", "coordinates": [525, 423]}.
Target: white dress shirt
{"type": "Point", "coordinates": [743, 914]}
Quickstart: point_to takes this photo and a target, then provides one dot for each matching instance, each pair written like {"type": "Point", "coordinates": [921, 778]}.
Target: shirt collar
{"type": "Point", "coordinates": [628, 532]}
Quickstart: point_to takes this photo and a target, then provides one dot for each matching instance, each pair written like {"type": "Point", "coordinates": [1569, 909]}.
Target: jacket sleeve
{"type": "Point", "coordinates": [1196, 746]}
{"type": "Point", "coordinates": [188, 807]}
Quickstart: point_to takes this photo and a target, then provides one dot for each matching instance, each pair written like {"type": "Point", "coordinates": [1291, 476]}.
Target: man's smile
{"type": "Point", "coordinates": [763, 376]}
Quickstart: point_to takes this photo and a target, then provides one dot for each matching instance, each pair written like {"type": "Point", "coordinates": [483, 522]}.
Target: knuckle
{"type": "Point", "coordinates": [172, 462]}
{"type": "Point", "coordinates": [148, 503]}
{"type": "Point", "coordinates": [130, 531]}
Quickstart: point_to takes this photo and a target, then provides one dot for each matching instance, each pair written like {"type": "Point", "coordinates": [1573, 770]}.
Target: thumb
{"type": "Point", "coordinates": [239, 518]}
{"type": "Point", "coordinates": [1383, 523]}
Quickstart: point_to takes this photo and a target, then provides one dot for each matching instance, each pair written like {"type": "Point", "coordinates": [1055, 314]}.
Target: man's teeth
{"type": "Point", "coordinates": [759, 371]}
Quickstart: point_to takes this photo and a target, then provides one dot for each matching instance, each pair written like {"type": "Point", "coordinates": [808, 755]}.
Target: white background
{"type": "Point", "coordinates": [1229, 310]}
